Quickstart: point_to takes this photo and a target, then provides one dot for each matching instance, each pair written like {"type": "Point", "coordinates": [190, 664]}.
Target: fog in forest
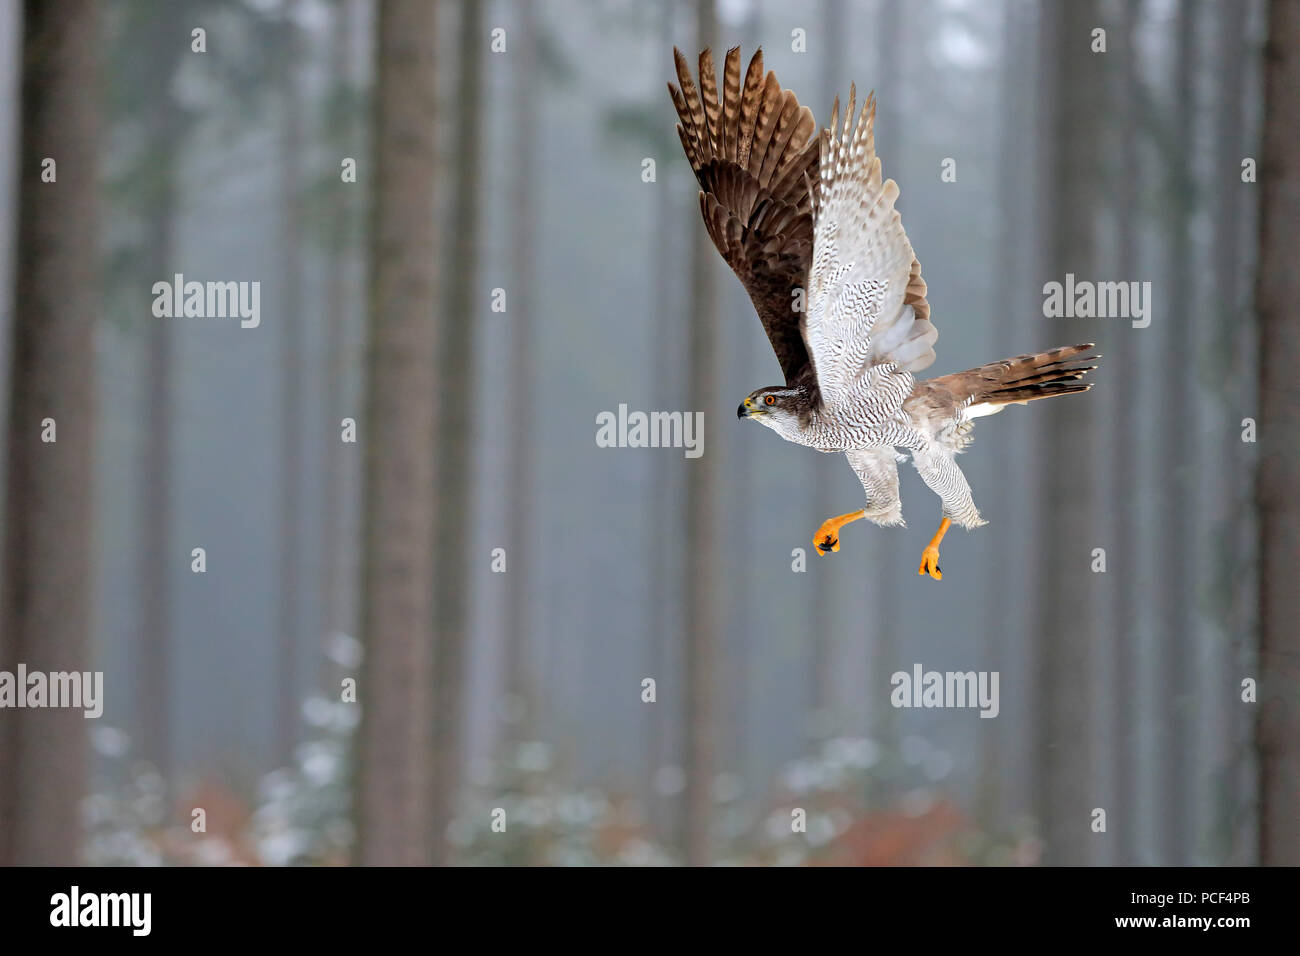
{"type": "Point", "coordinates": [365, 582]}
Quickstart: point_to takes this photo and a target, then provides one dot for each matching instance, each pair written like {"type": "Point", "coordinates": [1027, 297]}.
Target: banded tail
{"type": "Point", "coordinates": [1025, 378]}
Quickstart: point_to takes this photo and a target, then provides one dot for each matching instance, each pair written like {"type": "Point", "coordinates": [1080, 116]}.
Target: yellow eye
{"type": "Point", "coordinates": [769, 400]}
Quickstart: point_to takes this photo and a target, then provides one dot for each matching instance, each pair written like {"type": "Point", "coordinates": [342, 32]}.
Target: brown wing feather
{"type": "Point", "coordinates": [754, 151]}
{"type": "Point", "coordinates": [915, 296]}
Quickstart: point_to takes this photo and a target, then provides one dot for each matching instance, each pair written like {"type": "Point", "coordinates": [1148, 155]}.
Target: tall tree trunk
{"type": "Point", "coordinates": [1232, 497]}
{"type": "Point", "coordinates": [1176, 581]}
{"type": "Point", "coordinates": [672, 219]}
{"type": "Point", "coordinates": [995, 782]}
{"type": "Point", "coordinates": [290, 268]}
{"type": "Point", "coordinates": [1277, 291]}
{"type": "Point", "coordinates": [464, 306]}
{"type": "Point", "coordinates": [49, 528]}
{"type": "Point", "coordinates": [166, 125]}
{"type": "Point", "coordinates": [1122, 378]}
{"type": "Point", "coordinates": [394, 783]}
{"type": "Point", "coordinates": [1074, 90]}
{"type": "Point", "coordinates": [152, 717]}
{"type": "Point", "coordinates": [703, 628]}
{"type": "Point", "coordinates": [521, 463]}
{"type": "Point", "coordinates": [339, 302]}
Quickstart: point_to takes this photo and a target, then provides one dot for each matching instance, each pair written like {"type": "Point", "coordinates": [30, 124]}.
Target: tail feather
{"type": "Point", "coordinates": [1026, 378]}
{"type": "Point", "coordinates": [1009, 396]}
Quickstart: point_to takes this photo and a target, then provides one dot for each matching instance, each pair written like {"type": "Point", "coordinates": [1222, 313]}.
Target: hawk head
{"type": "Point", "coordinates": [782, 408]}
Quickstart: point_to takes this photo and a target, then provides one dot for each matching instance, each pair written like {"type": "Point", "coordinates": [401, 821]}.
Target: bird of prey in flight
{"type": "Point", "coordinates": [808, 225]}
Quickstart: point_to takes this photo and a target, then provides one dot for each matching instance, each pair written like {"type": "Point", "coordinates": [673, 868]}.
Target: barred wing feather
{"type": "Point", "coordinates": [866, 297]}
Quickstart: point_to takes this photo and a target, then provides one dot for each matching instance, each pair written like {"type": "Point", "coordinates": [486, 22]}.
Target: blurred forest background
{"type": "Point", "coordinates": [496, 586]}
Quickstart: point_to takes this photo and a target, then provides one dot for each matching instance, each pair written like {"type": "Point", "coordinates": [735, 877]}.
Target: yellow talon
{"type": "Point", "coordinates": [930, 564]}
{"type": "Point", "coordinates": [930, 556]}
{"type": "Point", "coordinates": [827, 537]}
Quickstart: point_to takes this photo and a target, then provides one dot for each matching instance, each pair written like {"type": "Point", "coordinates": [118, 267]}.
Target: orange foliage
{"type": "Point", "coordinates": [227, 823]}
{"type": "Point", "coordinates": [895, 838]}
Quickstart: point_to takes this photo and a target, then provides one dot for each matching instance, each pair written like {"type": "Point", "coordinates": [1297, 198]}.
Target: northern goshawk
{"type": "Point", "coordinates": [809, 227]}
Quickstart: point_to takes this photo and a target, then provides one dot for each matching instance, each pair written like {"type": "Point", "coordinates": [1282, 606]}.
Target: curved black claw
{"type": "Point", "coordinates": [826, 544]}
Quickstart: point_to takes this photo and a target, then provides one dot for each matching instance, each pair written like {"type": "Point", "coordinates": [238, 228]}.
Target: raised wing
{"type": "Point", "coordinates": [866, 297]}
{"type": "Point", "coordinates": [754, 152]}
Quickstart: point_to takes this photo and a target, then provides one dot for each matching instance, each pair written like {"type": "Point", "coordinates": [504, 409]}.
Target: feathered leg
{"type": "Point", "coordinates": [944, 478]}
{"type": "Point", "coordinates": [877, 469]}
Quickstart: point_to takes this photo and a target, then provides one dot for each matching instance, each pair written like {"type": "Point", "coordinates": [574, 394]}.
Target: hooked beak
{"type": "Point", "coordinates": [746, 409]}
